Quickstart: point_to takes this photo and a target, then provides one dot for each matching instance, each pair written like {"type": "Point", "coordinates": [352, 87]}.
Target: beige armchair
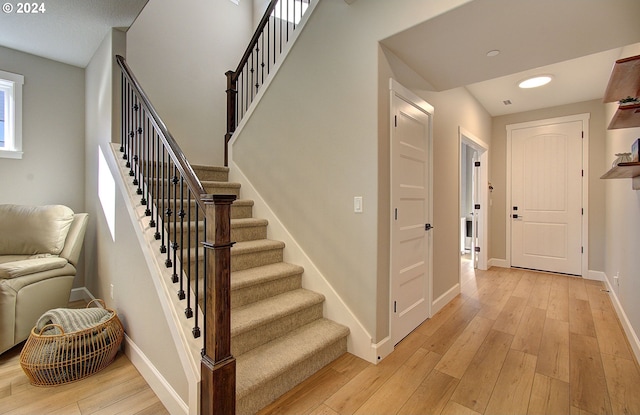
{"type": "Point", "coordinates": [39, 251]}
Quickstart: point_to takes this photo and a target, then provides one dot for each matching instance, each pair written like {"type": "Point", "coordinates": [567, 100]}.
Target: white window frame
{"type": "Point", "coordinates": [11, 85]}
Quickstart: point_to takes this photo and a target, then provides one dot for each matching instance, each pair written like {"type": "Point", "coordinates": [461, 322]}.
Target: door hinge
{"type": "Point", "coordinates": [477, 164]}
{"type": "Point", "coordinates": [583, 134]}
{"type": "Point", "coordinates": [395, 120]}
{"type": "Point", "coordinates": [477, 249]}
{"type": "Point", "coordinates": [395, 214]}
{"type": "Point", "coordinates": [582, 173]}
{"type": "Point", "coordinates": [582, 249]}
{"type": "Point", "coordinates": [394, 306]}
{"type": "Point", "coordinates": [582, 211]}
{"type": "Point", "coordinates": [476, 206]}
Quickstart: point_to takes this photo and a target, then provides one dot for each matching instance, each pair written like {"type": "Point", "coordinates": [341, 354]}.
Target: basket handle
{"type": "Point", "coordinates": [100, 300]}
{"type": "Point", "coordinates": [52, 325]}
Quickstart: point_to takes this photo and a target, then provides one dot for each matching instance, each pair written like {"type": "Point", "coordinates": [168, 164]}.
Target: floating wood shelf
{"type": "Point", "coordinates": [625, 171]}
{"type": "Point", "coordinates": [623, 83]}
{"type": "Point", "coordinates": [625, 79]}
{"type": "Point", "coordinates": [627, 116]}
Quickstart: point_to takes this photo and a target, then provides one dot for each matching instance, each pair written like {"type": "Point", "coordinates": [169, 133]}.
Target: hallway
{"type": "Point", "coordinates": [514, 342]}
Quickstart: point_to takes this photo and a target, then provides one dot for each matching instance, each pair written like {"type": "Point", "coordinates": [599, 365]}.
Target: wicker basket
{"type": "Point", "coordinates": [57, 359]}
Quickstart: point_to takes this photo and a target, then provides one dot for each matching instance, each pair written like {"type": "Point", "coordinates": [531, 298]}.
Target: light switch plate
{"type": "Point", "coordinates": [357, 204]}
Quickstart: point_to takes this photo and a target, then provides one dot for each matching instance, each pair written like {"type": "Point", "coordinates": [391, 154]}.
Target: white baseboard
{"type": "Point", "coordinates": [624, 320]}
{"type": "Point", "coordinates": [167, 395]}
{"type": "Point", "coordinates": [444, 299]}
{"type": "Point", "coordinates": [81, 293]}
{"type": "Point", "coordinates": [596, 275]}
{"type": "Point", "coordinates": [497, 262]}
{"type": "Point", "coordinates": [383, 348]}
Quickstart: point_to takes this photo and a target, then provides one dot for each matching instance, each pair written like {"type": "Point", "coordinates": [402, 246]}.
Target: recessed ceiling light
{"type": "Point", "coordinates": [535, 81]}
{"type": "Point", "coordinates": [493, 53]}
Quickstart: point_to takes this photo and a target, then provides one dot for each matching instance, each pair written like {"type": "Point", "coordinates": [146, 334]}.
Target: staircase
{"type": "Point", "coordinates": [278, 334]}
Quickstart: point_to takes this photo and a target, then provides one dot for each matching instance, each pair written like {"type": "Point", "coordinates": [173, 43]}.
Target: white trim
{"type": "Point", "coordinates": [595, 275]}
{"type": "Point", "coordinates": [383, 348]}
{"type": "Point", "coordinates": [167, 395]}
{"type": "Point", "coordinates": [13, 86]}
{"type": "Point", "coordinates": [359, 341]}
{"type": "Point", "coordinates": [398, 90]}
{"type": "Point", "coordinates": [632, 336]}
{"type": "Point", "coordinates": [497, 262]}
{"type": "Point", "coordinates": [585, 180]}
{"type": "Point", "coordinates": [482, 148]}
{"type": "Point", "coordinates": [81, 293]}
{"type": "Point", "coordinates": [445, 298]}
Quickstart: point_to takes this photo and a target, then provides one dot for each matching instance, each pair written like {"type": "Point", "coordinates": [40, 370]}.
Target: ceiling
{"type": "Point", "coordinates": [576, 41]}
{"type": "Point", "coordinates": [68, 31]}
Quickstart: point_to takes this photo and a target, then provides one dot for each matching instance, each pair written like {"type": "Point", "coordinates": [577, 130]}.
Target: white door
{"type": "Point", "coordinates": [546, 197]}
{"type": "Point", "coordinates": [411, 213]}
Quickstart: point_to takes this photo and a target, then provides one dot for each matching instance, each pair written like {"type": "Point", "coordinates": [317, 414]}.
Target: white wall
{"type": "Point", "coordinates": [452, 109]}
{"type": "Point", "coordinates": [120, 260]}
{"type": "Point", "coordinates": [623, 222]}
{"type": "Point", "coordinates": [180, 51]}
{"type": "Point", "coordinates": [315, 140]}
{"type": "Point", "coordinates": [52, 168]}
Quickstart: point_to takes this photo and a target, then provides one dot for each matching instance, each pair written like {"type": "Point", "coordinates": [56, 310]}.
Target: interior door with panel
{"type": "Point", "coordinates": [546, 197]}
{"type": "Point", "coordinates": [411, 213]}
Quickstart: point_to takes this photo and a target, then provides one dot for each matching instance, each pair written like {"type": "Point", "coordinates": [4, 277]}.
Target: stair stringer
{"type": "Point", "coordinates": [360, 341]}
{"type": "Point", "coordinates": [188, 348]}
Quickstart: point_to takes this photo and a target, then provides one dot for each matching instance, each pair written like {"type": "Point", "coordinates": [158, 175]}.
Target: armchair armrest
{"type": "Point", "coordinates": [30, 266]}
{"type": "Point", "coordinates": [75, 238]}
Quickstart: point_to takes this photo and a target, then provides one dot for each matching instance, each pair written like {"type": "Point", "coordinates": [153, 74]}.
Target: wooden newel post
{"type": "Point", "coordinates": [218, 366]}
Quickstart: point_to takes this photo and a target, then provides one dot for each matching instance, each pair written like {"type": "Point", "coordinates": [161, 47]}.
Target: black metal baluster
{"type": "Point", "coordinates": [146, 199]}
{"type": "Point", "coordinates": [123, 130]}
{"type": "Point", "coordinates": [156, 189]}
{"type": "Point", "coordinates": [190, 255]}
{"type": "Point", "coordinates": [181, 214]}
{"type": "Point", "coordinates": [189, 310]}
{"type": "Point", "coordinates": [163, 223]}
{"type": "Point", "coordinates": [168, 263]}
{"type": "Point", "coordinates": [174, 245]}
{"type": "Point", "coordinates": [196, 329]}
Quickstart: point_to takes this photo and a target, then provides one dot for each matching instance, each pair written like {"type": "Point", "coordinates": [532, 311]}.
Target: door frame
{"type": "Point", "coordinates": [465, 137]}
{"type": "Point", "coordinates": [585, 181]}
{"type": "Point", "coordinates": [397, 90]}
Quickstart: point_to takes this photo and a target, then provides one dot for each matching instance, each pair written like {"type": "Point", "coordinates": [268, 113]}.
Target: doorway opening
{"type": "Point", "coordinates": [473, 205]}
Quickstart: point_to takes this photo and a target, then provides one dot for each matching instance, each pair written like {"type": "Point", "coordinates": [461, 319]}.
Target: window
{"type": "Point", "coordinates": [11, 115]}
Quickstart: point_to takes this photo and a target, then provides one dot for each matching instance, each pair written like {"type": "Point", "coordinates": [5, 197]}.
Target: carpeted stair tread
{"type": "Point", "coordinates": [211, 172]}
{"type": "Point", "coordinates": [248, 222]}
{"type": "Point", "coordinates": [254, 276]}
{"type": "Point", "coordinates": [220, 188]}
{"type": "Point", "coordinates": [267, 362]}
{"type": "Point", "coordinates": [246, 247]}
{"type": "Point", "coordinates": [258, 314]}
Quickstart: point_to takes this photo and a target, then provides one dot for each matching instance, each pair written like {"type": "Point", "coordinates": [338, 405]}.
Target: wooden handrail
{"type": "Point", "coordinates": [254, 39]}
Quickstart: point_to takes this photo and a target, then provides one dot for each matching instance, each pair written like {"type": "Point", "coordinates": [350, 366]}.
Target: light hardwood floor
{"type": "Point", "coordinates": [513, 342]}
{"type": "Point", "coordinates": [118, 389]}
